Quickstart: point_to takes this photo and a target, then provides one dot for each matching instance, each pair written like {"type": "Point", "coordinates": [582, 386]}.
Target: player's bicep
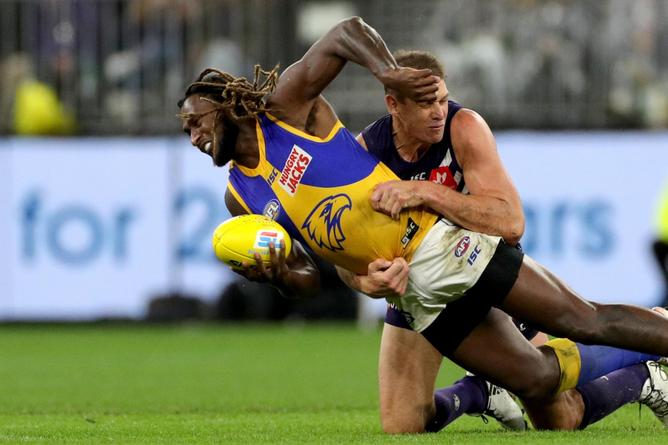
{"type": "Point", "coordinates": [476, 151]}
{"type": "Point", "coordinates": [487, 176]}
{"type": "Point", "coordinates": [304, 80]}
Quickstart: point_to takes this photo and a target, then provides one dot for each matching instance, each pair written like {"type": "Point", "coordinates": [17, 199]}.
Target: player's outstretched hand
{"type": "Point", "coordinates": [385, 278]}
{"type": "Point", "coordinates": [419, 85]}
{"type": "Point", "coordinates": [394, 196]}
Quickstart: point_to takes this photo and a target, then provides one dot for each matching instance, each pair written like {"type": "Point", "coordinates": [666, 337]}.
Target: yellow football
{"type": "Point", "coordinates": [237, 239]}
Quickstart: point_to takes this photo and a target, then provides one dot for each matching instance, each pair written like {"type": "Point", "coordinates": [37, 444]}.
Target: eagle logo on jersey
{"type": "Point", "coordinates": [323, 224]}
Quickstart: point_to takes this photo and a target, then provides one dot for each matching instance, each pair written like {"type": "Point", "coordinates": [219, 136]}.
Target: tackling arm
{"type": "Point", "coordinates": [493, 205]}
{"type": "Point", "coordinates": [384, 278]}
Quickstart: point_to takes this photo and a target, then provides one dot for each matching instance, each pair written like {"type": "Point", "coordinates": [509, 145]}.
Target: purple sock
{"type": "Point", "coordinates": [466, 396]}
{"type": "Point", "coordinates": [605, 394]}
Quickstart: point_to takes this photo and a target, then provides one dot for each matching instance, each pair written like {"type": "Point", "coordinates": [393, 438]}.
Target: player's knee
{"type": "Point", "coordinates": [535, 387]}
{"type": "Point", "coordinates": [567, 422]}
{"type": "Point", "coordinates": [405, 421]}
{"type": "Point", "coordinates": [562, 412]}
{"type": "Point", "coordinates": [543, 379]}
{"type": "Point", "coordinates": [402, 429]}
{"type": "Point", "coordinates": [394, 425]}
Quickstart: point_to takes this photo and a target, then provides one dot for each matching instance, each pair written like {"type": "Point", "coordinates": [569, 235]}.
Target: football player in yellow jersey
{"type": "Point", "coordinates": [221, 113]}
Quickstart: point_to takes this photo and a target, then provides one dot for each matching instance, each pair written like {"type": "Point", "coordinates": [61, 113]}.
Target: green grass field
{"type": "Point", "coordinates": [204, 384]}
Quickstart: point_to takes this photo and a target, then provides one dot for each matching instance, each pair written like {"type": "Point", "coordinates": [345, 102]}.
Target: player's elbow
{"type": "Point", "coordinates": [352, 27]}
{"type": "Point", "coordinates": [513, 232]}
{"type": "Point", "coordinates": [354, 22]}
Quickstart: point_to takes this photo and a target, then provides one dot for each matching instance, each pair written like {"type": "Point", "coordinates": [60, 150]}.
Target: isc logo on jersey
{"type": "Point", "coordinates": [294, 169]}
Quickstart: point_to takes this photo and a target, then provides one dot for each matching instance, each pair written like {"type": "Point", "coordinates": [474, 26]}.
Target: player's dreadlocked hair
{"type": "Point", "coordinates": [234, 94]}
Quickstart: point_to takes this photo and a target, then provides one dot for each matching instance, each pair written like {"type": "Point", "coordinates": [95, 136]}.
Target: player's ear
{"type": "Point", "coordinates": [391, 104]}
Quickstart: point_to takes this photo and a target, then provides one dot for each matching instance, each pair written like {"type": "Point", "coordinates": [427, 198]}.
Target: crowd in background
{"type": "Point", "coordinates": [118, 66]}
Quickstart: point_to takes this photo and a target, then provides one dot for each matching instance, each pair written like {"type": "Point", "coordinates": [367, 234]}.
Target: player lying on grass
{"type": "Point", "coordinates": [291, 155]}
{"type": "Point", "coordinates": [449, 155]}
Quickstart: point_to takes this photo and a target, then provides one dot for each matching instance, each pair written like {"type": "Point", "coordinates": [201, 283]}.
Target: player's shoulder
{"type": "Point", "coordinates": [379, 126]}
{"type": "Point", "coordinates": [467, 119]}
{"type": "Point", "coordinates": [470, 134]}
{"type": "Point", "coordinates": [378, 134]}
{"type": "Point", "coordinates": [467, 125]}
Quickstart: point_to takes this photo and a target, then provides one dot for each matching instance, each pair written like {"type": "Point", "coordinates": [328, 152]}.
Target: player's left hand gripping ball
{"type": "Point", "coordinates": [238, 239]}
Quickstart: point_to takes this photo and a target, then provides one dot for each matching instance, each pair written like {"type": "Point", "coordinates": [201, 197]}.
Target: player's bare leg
{"type": "Point", "coordinates": [408, 366]}
{"type": "Point", "coordinates": [564, 411]}
{"type": "Point", "coordinates": [541, 298]}
{"type": "Point", "coordinates": [497, 351]}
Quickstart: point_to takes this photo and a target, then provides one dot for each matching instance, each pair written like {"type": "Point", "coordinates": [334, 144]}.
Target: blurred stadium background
{"type": "Point", "coordinates": [106, 211]}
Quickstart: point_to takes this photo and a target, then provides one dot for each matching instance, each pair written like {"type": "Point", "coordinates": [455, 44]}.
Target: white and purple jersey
{"type": "Point", "coordinates": [439, 164]}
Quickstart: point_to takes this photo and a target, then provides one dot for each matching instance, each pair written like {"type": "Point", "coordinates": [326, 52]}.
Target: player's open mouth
{"type": "Point", "coordinates": [206, 148]}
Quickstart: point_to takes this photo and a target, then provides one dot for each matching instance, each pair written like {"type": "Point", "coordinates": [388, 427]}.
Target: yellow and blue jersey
{"type": "Point", "coordinates": [319, 190]}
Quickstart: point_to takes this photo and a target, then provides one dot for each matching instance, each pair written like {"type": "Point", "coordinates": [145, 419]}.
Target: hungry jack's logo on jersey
{"type": "Point", "coordinates": [294, 169]}
{"type": "Point", "coordinates": [323, 224]}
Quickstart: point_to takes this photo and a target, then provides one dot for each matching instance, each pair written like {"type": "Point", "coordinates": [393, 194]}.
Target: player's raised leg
{"type": "Point", "coordinates": [541, 298]}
